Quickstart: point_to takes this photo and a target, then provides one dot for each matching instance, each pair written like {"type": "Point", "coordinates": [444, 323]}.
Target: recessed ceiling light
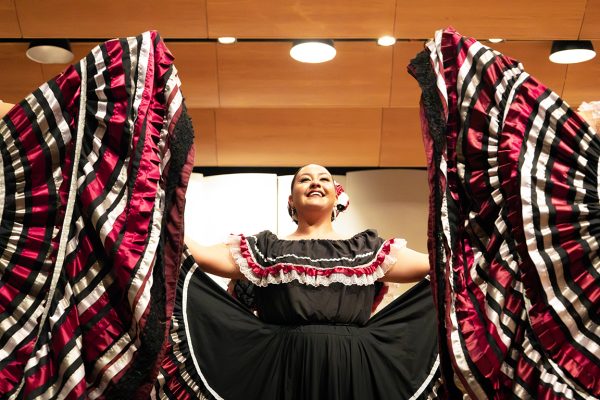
{"type": "Point", "coordinates": [386, 40]}
{"type": "Point", "coordinates": [313, 51]}
{"type": "Point", "coordinates": [227, 40]}
{"type": "Point", "coordinates": [50, 51]}
{"type": "Point", "coordinates": [571, 51]}
{"type": "Point", "coordinates": [495, 40]}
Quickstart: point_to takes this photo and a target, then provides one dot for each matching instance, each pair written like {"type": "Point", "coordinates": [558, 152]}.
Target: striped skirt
{"type": "Point", "coordinates": [95, 164]}
{"type": "Point", "coordinates": [514, 227]}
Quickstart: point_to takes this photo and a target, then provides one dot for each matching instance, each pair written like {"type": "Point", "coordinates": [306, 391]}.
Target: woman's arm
{"type": "Point", "coordinates": [410, 266]}
{"type": "Point", "coordinates": [216, 260]}
{"type": "Point", "coordinates": [4, 108]}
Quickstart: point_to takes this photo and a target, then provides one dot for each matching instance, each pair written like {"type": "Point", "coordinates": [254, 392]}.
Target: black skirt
{"type": "Point", "coordinates": [220, 349]}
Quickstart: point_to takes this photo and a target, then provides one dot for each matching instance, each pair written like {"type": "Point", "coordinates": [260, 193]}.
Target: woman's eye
{"type": "Point", "coordinates": [304, 180]}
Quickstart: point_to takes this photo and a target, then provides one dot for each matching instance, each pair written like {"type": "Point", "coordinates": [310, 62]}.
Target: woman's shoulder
{"type": "Point", "coordinates": [360, 236]}
{"type": "Point", "coordinates": [270, 245]}
{"type": "Point", "coordinates": [273, 243]}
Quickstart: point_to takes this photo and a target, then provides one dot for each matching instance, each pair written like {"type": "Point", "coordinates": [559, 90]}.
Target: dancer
{"type": "Point", "coordinates": [313, 292]}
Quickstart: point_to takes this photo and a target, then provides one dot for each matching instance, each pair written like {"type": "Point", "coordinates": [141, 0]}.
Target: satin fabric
{"type": "Point", "coordinates": [514, 222]}
{"type": "Point", "coordinates": [94, 168]}
{"type": "Point", "coordinates": [219, 349]}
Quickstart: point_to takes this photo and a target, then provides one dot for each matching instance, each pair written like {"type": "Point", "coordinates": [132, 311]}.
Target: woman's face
{"type": "Point", "coordinates": [313, 189]}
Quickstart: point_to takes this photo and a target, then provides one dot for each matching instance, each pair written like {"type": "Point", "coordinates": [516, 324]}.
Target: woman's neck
{"type": "Point", "coordinates": [306, 230]}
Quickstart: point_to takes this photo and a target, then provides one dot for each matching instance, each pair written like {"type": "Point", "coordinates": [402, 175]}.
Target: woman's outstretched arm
{"type": "Point", "coordinates": [410, 266]}
{"type": "Point", "coordinates": [4, 108]}
{"type": "Point", "coordinates": [216, 260]}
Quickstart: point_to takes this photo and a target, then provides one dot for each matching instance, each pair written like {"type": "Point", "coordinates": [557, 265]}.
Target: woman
{"type": "Point", "coordinates": [313, 200]}
{"type": "Point", "coordinates": [313, 292]}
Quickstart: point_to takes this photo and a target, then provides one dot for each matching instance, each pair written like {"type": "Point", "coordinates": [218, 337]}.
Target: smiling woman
{"type": "Point", "coordinates": [302, 321]}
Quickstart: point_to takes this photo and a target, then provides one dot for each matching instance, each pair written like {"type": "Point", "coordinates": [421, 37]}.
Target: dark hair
{"type": "Point", "coordinates": [294, 178]}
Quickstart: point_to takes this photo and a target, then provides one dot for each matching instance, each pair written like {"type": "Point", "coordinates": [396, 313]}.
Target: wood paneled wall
{"type": "Point", "coordinates": [252, 104]}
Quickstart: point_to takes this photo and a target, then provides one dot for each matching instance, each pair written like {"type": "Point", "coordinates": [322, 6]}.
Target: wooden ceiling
{"type": "Point", "coordinates": [252, 105]}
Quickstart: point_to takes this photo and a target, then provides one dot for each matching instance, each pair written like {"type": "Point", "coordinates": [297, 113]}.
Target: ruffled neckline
{"type": "Point", "coordinates": [366, 232]}
{"type": "Point", "coordinates": [265, 259]}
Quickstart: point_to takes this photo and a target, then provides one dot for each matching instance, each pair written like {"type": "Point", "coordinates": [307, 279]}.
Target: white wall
{"type": "Point", "coordinates": [217, 206]}
{"type": "Point", "coordinates": [395, 202]}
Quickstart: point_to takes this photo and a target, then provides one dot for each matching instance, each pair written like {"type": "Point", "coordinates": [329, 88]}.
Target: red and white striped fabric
{"type": "Point", "coordinates": [95, 164]}
{"type": "Point", "coordinates": [514, 227]}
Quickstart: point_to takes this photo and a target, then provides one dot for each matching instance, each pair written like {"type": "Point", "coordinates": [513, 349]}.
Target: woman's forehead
{"type": "Point", "coordinates": [313, 169]}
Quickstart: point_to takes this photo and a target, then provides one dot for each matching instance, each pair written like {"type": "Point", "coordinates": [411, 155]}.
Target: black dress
{"type": "Point", "coordinates": [307, 332]}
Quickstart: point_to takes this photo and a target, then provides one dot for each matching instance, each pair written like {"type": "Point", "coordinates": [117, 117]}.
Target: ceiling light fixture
{"type": "Point", "coordinates": [495, 40]}
{"type": "Point", "coordinates": [386, 40]}
{"type": "Point", "coordinates": [571, 51]}
{"type": "Point", "coordinates": [313, 50]}
{"type": "Point", "coordinates": [227, 40]}
{"type": "Point", "coordinates": [50, 51]}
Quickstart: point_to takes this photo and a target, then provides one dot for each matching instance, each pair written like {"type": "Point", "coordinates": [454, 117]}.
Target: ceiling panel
{"type": "Point", "coordinates": [112, 18]}
{"type": "Point", "coordinates": [532, 54]}
{"type": "Point", "coordinates": [264, 75]}
{"type": "Point", "coordinates": [591, 21]}
{"type": "Point", "coordinates": [405, 90]}
{"type": "Point", "coordinates": [534, 57]}
{"type": "Point", "coordinates": [300, 18]}
{"type": "Point", "coordinates": [197, 67]}
{"type": "Point", "coordinates": [196, 64]}
{"type": "Point", "coordinates": [509, 19]}
{"type": "Point", "coordinates": [80, 50]}
{"type": "Point", "coordinates": [9, 24]}
{"type": "Point", "coordinates": [401, 138]}
{"type": "Point", "coordinates": [205, 142]}
{"type": "Point", "coordinates": [583, 81]}
{"type": "Point", "coordinates": [287, 137]}
{"type": "Point", "coordinates": [20, 76]}
{"type": "Point", "coordinates": [245, 93]}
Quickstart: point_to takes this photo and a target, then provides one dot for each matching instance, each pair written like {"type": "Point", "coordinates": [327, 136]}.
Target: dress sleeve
{"type": "Point", "coordinates": [395, 245]}
{"type": "Point", "coordinates": [234, 244]}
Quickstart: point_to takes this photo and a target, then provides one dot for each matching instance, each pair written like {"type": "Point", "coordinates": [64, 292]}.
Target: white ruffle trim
{"type": "Point", "coordinates": [280, 276]}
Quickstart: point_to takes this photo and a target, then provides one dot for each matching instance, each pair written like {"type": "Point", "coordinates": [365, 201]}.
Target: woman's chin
{"type": "Point", "coordinates": [316, 207]}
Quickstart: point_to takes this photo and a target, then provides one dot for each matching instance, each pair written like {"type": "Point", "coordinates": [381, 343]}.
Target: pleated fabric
{"type": "Point", "coordinates": [219, 349]}
{"type": "Point", "coordinates": [95, 163]}
{"type": "Point", "coordinates": [514, 227]}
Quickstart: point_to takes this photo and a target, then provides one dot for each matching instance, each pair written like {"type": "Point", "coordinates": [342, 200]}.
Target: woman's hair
{"type": "Point", "coordinates": [294, 178]}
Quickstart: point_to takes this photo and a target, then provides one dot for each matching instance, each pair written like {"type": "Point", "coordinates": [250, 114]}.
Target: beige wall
{"type": "Point", "coordinates": [392, 201]}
